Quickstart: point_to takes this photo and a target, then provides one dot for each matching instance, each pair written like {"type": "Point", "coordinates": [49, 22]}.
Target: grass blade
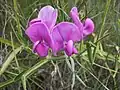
{"type": "Point", "coordinates": [9, 59]}
{"type": "Point", "coordinates": [6, 83]}
{"type": "Point", "coordinates": [102, 27]}
{"type": "Point", "coordinates": [31, 71]}
{"type": "Point", "coordinates": [5, 41]}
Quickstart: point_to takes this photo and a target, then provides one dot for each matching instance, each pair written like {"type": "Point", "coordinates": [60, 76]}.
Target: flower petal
{"type": "Point", "coordinates": [74, 10]}
{"type": "Point", "coordinates": [58, 41]}
{"type": "Point", "coordinates": [75, 17]}
{"type": "Point", "coordinates": [88, 27]}
{"type": "Point", "coordinates": [35, 45]}
{"type": "Point", "coordinates": [75, 50]}
{"type": "Point", "coordinates": [34, 21]}
{"type": "Point", "coordinates": [67, 31]}
{"type": "Point", "coordinates": [69, 48]}
{"type": "Point", "coordinates": [42, 49]}
{"type": "Point", "coordinates": [48, 15]}
{"type": "Point", "coordinates": [63, 32]}
{"type": "Point", "coordinates": [39, 32]}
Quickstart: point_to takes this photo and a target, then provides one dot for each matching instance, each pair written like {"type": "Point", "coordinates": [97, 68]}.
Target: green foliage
{"type": "Point", "coordinates": [95, 67]}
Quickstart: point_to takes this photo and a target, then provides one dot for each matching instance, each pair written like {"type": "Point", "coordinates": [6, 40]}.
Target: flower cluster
{"type": "Point", "coordinates": [45, 34]}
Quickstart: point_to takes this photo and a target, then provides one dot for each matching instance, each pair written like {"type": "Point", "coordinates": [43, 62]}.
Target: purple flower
{"type": "Point", "coordinates": [87, 27]}
{"type": "Point", "coordinates": [39, 30]}
{"type": "Point", "coordinates": [64, 34]}
{"type": "Point", "coordinates": [44, 34]}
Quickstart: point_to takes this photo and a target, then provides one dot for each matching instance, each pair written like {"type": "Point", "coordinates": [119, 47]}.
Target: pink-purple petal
{"type": "Point", "coordinates": [58, 41]}
{"type": "Point", "coordinates": [39, 32]}
{"type": "Point", "coordinates": [48, 15]}
{"type": "Point", "coordinates": [34, 32]}
{"type": "Point", "coordinates": [67, 31]}
{"type": "Point", "coordinates": [88, 27]}
{"type": "Point", "coordinates": [34, 21]}
{"type": "Point", "coordinates": [75, 17]}
{"type": "Point", "coordinates": [42, 49]}
{"type": "Point", "coordinates": [69, 48]}
{"type": "Point", "coordinates": [58, 47]}
{"type": "Point", "coordinates": [35, 45]}
{"type": "Point", "coordinates": [74, 10]}
{"type": "Point", "coordinates": [75, 50]}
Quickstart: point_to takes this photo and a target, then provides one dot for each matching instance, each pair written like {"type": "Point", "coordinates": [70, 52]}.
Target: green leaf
{"type": "Point", "coordinates": [32, 70]}
{"type": "Point", "coordinates": [9, 59]}
{"type": "Point", "coordinates": [5, 41]}
{"type": "Point", "coordinates": [81, 80]}
{"type": "Point", "coordinates": [6, 83]}
{"type": "Point", "coordinates": [73, 72]}
{"type": "Point", "coordinates": [89, 52]}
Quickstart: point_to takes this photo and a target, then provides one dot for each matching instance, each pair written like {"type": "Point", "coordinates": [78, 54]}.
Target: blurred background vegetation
{"type": "Point", "coordinates": [96, 67]}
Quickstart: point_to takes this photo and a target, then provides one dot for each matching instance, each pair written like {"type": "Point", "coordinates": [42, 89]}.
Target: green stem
{"type": "Point", "coordinates": [14, 52]}
{"type": "Point", "coordinates": [36, 66]}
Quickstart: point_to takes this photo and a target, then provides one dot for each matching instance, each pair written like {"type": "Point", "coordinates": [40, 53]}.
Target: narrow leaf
{"type": "Point", "coordinates": [9, 59]}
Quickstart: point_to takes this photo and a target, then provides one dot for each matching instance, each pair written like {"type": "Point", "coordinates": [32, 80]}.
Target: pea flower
{"type": "Point", "coordinates": [87, 27]}
{"type": "Point", "coordinates": [39, 30]}
{"type": "Point", "coordinates": [64, 35]}
{"type": "Point", "coordinates": [44, 34]}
